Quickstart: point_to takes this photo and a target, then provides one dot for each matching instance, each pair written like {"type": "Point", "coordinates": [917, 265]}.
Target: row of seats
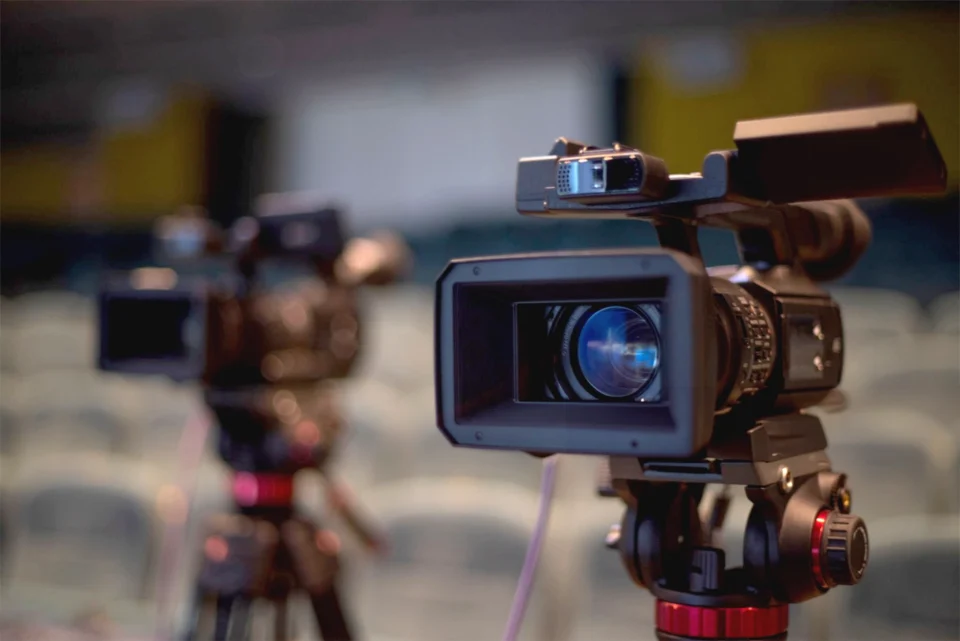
{"type": "Point", "coordinates": [456, 548]}
{"type": "Point", "coordinates": [892, 473]}
{"type": "Point", "coordinates": [459, 519]}
{"type": "Point", "coordinates": [84, 408]}
{"type": "Point", "coordinates": [56, 330]}
{"type": "Point", "coordinates": [893, 307]}
{"type": "Point", "coordinates": [890, 312]}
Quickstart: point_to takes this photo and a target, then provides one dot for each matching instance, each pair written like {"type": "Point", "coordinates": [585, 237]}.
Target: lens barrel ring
{"type": "Point", "coordinates": [751, 345]}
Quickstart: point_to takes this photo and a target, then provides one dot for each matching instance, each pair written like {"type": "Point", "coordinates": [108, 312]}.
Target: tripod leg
{"type": "Point", "coordinates": [330, 616]}
{"type": "Point", "coordinates": [202, 610]}
{"type": "Point", "coordinates": [233, 618]}
{"type": "Point", "coordinates": [314, 554]}
{"type": "Point", "coordinates": [280, 623]}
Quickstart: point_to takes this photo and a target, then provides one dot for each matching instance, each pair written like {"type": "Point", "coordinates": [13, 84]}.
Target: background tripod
{"type": "Point", "coordinates": [267, 554]}
{"type": "Point", "coordinates": [800, 538]}
{"type": "Point", "coordinates": [265, 551]}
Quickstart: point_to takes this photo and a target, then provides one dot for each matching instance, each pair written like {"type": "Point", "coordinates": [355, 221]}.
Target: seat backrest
{"type": "Point", "coordinates": [9, 431]}
{"type": "Point", "coordinates": [912, 584]}
{"type": "Point", "coordinates": [57, 389]}
{"type": "Point", "coordinates": [927, 391]}
{"type": "Point", "coordinates": [865, 365]}
{"type": "Point", "coordinates": [63, 421]}
{"type": "Point", "coordinates": [896, 460]}
{"type": "Point", "coordinates": [953, 478]}
{"type": "Point", "coordinates": [944, 313]}
{"type": "Point", "coordinates": [457, 548]}
{"type": "Point", "coordinates": [94, 402]}
{"type": "Point", "coordinates": [374, 445]}
{"type": "Point", "coordinates": [159, 411]}
{"type": "Point", "coordinates": [879, 311]}
{"type": "Point", "coordinates": [54, 344]}
{"type": "Point", "coordinates": [8, 358]}
{"type": "Point", "coordinates": [398, 337]}
{"type": "Point", "coordinates": [53, 304]}
{"type": "Point", "coordinates": [85, 521]}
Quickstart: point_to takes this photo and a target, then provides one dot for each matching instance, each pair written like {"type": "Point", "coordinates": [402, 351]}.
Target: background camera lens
{"type": "Point", "coordinates": [618, 351]}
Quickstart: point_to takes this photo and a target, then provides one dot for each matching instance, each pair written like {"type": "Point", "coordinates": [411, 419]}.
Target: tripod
{"type": "Point", "coordinates": [265, 551]}
{"type": "Point", "coordinates": [800, 539]}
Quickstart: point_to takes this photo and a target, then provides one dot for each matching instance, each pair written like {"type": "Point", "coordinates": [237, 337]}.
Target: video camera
{"type": "Point", "coordinates": [235, 332]}
{"type": "Point", "coordinates": [265, 357]}
{"type": "Point", "coordinates": [644, 352]}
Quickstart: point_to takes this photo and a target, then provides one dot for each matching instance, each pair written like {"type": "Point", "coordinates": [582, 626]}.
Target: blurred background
{"type": "Point", "coordinates": [412, 115]}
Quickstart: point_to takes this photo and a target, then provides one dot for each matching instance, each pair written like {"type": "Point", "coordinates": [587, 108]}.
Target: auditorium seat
{"type": "Point", "coordinates": [911, 587]}
{"type": "Point", "coordinates": [377, 425]}
{"type": "Point", "coordinates": [944, 313]}
{"type": "Point", "coordinates": [927, 390]}
{"type": "Point", "coordinates": [456, 552]}
{"type": "Point", "coordinates": [82, 533]}
{"type": "Point", "coordinates": [53, 304]}
{"type": "Point", "coordinates": [606, 603]}
{"type": "Point", "coordinates": [916, 355]}
{"type": "Point", "coordinates": [876, 313]}
{"type": "Point", "coordinates": [896, 460]}
{"type": "Point", "coordinates": [42, 343]}
{"type": "Point", "coordinates": [398, 337]}
{"type": "Point", "coordinates": [66, 409]}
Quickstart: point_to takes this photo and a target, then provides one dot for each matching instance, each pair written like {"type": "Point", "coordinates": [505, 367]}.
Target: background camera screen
{"type": "Point", "coordinates": [143, 329]}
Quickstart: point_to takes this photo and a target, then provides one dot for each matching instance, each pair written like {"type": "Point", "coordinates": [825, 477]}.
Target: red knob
{"type": "Point", "coordinates": [839, 549]}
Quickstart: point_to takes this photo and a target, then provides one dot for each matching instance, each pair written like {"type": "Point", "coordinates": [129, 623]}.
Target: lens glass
{"type": "Point", "coordinates": [618, 351]}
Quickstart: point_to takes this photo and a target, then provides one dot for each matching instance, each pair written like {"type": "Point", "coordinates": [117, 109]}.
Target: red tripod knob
{"type": "Point", "coordinates": [839, 549]}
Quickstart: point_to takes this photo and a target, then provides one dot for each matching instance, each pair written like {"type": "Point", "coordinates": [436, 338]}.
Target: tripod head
{"type": "Point", "coordinates": [801, 538]}
{"type": "Point", "coordinates": [685, 376]}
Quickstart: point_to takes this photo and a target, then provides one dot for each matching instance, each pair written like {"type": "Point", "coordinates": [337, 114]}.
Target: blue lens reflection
{"type": "Point", "coordinates": [617, 351]}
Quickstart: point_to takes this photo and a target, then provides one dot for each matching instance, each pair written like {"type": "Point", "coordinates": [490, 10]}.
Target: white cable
{"type": "Point", "coordinates": [525, 585]}
{"type": "Point", "coordinates": [193, 440]}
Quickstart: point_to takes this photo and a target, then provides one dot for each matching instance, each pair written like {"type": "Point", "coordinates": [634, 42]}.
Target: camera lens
{"type": "Point", "coordinates": [617, 351]}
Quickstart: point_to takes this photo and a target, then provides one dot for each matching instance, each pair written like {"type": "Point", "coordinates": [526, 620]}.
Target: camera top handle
{"type": "Point", "coordinates": [880, 151]}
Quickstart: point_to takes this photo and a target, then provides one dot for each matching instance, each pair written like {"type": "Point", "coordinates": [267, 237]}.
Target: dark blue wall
{"type": "Point", "coordinates": [916, 248]}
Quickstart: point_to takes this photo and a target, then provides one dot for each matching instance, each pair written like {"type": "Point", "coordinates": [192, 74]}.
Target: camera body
{"type": "Point", "coordinates": [236, 332]}
{"type": "Point", "coordinates": [526, 339]}
{"type": "Point", "coordinates": [641, 352]}
{"type": "Point", "coordinates": [226, 336]}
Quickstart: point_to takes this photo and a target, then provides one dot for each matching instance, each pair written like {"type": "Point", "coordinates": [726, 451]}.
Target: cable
{"type": "Point", "coordinates": [193, 438]}
{"type": "Point", "coordinates": [525, 585]}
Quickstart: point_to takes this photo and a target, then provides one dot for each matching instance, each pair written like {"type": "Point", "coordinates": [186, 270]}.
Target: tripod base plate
{"type": "Point", "coordinates": [694, 622]}
{"type": "Point", "coordinates": [663, 636]}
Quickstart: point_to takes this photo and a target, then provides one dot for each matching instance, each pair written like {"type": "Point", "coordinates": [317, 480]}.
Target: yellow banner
{"type": "Point", "coordinates": [136, 171]}
{"type": "Point", "coordinates": [159, 167]}
{"type": "Point", "coordinates": [690, 91]}
{"type": "Point", "coordinates": [34, 181]}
